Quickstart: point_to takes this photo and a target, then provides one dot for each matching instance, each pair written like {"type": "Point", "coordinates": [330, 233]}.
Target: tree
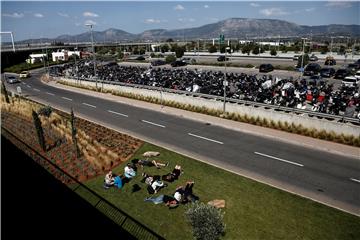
{"type": "Point", "coordinates": [39, 130]}
{"type": "Point", "coordinates": [73, 134]}
{"type": "Point", "coordinates": [206, 221]}
{"type": "Point", "coordinates": [342, 49]}
{"type": "Point", "coordinates": [212, 49]}
{"type": "Point", "coordinates": [273, 52]}
{"type": "Point", "coordinates": [164, 48]}
{"type": "Point", "coordinates": [180, 51]}
{"type": "Point", "coordinates": [324, 49]}
{"type": "Point", "coordinates": [246, 49]}
{"type": "Point", "coordinates": [4, 91]}
{"type": "Point", "coordinates": [169, 40]}
{"type": "Point", "coordinates": [256, 50]}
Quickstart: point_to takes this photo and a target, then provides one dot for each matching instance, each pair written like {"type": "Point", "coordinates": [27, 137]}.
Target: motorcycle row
{"type": "Point", "coordinates": [293, 93]}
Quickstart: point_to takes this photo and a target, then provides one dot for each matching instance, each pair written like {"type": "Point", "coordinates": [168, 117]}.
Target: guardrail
{"type": "Point", "coordinates": [126, 222]}
{"type": "Point", "coordinates": [330, 117]}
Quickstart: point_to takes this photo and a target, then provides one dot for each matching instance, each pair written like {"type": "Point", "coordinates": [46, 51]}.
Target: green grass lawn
{"type": "Point", "coordinates": [253, 210]}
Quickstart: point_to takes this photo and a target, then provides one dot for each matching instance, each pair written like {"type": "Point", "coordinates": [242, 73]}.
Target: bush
{"type": "Point", "coordinates": [206, 221]}
{"type": "Point", "coordinates": [170, 58]}
{"type": "Point", "coordinates": [45, 111]}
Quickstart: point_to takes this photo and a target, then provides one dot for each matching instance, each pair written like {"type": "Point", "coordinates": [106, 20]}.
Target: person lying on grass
{"type": "Point", "coordinates": [149, 163]}
{"type": "Point", "coordinates": [168, 200]}
{"type": "Point", "coordinates": [129, 171]}
{"type": "Point", "coordinates": [174, 175]}
{"type": "Point", "coordinates": [185, 194]}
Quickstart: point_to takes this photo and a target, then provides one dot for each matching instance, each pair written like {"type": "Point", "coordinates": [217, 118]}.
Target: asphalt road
{"type": "Point", "coordinates": [324, 177]}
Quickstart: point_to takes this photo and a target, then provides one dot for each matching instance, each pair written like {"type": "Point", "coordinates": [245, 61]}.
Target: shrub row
{"type": "Point", "coordinates": [259, 121]}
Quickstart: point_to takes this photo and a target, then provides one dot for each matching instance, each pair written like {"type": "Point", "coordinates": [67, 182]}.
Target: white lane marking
{"type": "Point", "coordinates": [66, 98]}
{"type": "Point", "coordinates": [117, 113]}
{"type": "Point", "coordinates": [205, 138]}
{"type": "Point", "coordinates": [28, 86]}
{"type": "Point", "coordinates": [23, 83]}
{"type": "Point", "coordinates": [355, 180]}
{"type": "Point", "coordinates": [155, 124]}
{"type": "Point", "coordinates": [50, 93]}
{"type": "Point", "coordinates": [35, 89]}
{"type": "Point", "coordinates": [280, 159]}
{"type": "Point", "coordinates": [89, 105]}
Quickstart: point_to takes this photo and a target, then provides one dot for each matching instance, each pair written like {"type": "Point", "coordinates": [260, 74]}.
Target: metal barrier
{"type": "Point", "coordinates": [330, 117]}
{"type": "Point", "coordinates": [126, 222]}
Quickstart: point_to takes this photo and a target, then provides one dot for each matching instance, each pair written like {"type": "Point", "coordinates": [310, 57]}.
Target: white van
{"type": "Point", "coordinates": [350, 81]}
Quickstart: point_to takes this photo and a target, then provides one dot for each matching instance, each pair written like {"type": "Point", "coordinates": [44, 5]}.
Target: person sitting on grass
{"type": "Point", "coordinates": [157, 185]}
{"type": "Point", "coordinates": [185, 194]}
{"type": "Point", "coordinates": [174, 175]}
{"type": "Point", "coordinates": [168, 200]}
{"type": "Point", "coordinates": [148, 163]}
{"type": "Point", "coordinates": [109, 180]}
{"type": "Point", "coordinates": [112, 180]}
{"type": "Point", "coordinates": [129, 171]}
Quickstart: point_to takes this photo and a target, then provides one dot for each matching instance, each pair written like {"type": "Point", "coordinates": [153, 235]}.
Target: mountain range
{"type": "Point", "coordinates": [240, 28]}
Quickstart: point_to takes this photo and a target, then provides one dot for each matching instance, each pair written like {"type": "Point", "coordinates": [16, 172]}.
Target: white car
{"type": "Point", "coordinates": [350, 81]}
{"type": "Point", "coordinates": [24, 74]}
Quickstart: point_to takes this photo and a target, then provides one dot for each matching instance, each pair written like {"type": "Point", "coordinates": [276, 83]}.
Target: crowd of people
{"type": "Point", "coordinates": [154, 183]}
{"type": "Point", "coordinates": [308, 94]}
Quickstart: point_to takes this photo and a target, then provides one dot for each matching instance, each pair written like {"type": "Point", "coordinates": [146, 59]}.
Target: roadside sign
{"type": "Point", "coordinates": [221, 38]}
{"type": "Point", "coordinates": [301, 69]}
{"type": "Point", "coordinates": [225, 83]}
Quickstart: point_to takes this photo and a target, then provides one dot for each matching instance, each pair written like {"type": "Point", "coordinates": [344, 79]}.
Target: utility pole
{"type": "Point", "coordinates": [93, 50]}
{"type": "Point", "coordinates": [225, 83]}
{"type": "Point", "coordinates": [302, 57]}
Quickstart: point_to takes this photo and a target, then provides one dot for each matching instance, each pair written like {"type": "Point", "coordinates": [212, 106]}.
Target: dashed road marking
{"type": "Point", "coordinates": [28, 86]}
{"type": "Point", "coordinates": [35, 89]}
{"type": "Point", "coordinates": [355, 180]}
{"type": "Point", "coordinates": [205, 138]}
{"type": "Point", "coordinates": [50, 94]}
{"type": "Point", "coordinates": [89, 105]}
{"type": "Point", "coordinates": [117, 113]}
{"type": "Point", "coordinates": [69, 99]}
{"type": "Point", "coordinates": [279, 159]}
{"type": "Point", "coordinates": [155, 124]}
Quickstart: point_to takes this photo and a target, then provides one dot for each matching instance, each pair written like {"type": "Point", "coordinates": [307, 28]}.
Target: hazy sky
{"type": "Point", "coordinates": [51, 19]}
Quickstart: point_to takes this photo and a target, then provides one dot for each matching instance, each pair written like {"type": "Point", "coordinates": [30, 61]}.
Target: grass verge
{"type": "Point", "coordinates": [253, 210]}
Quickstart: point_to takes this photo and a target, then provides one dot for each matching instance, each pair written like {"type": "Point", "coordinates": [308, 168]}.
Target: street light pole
{"type": "Point", "coordinates": [93, 50]}
{"type": "Point", "coordinates": [225, 82]}
{"type": "Point", "coordinates": [302, 57]}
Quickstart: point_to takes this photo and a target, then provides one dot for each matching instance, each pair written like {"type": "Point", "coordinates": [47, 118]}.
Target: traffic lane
{"type": "Point", "coordinates": [260, 166]}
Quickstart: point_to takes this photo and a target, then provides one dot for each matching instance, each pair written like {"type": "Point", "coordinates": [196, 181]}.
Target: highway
{"type": "Point", "coordinates": [321, 176]}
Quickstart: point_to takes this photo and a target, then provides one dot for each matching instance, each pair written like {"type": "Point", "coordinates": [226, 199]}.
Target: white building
{"type": "Point", "coordinates": [33, 58]}
{"type": "Point", "coordinates": [63, 55]}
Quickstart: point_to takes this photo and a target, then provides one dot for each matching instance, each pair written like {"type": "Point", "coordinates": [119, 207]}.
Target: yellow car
{"type": "Point", "coordinates": [24, 74]}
